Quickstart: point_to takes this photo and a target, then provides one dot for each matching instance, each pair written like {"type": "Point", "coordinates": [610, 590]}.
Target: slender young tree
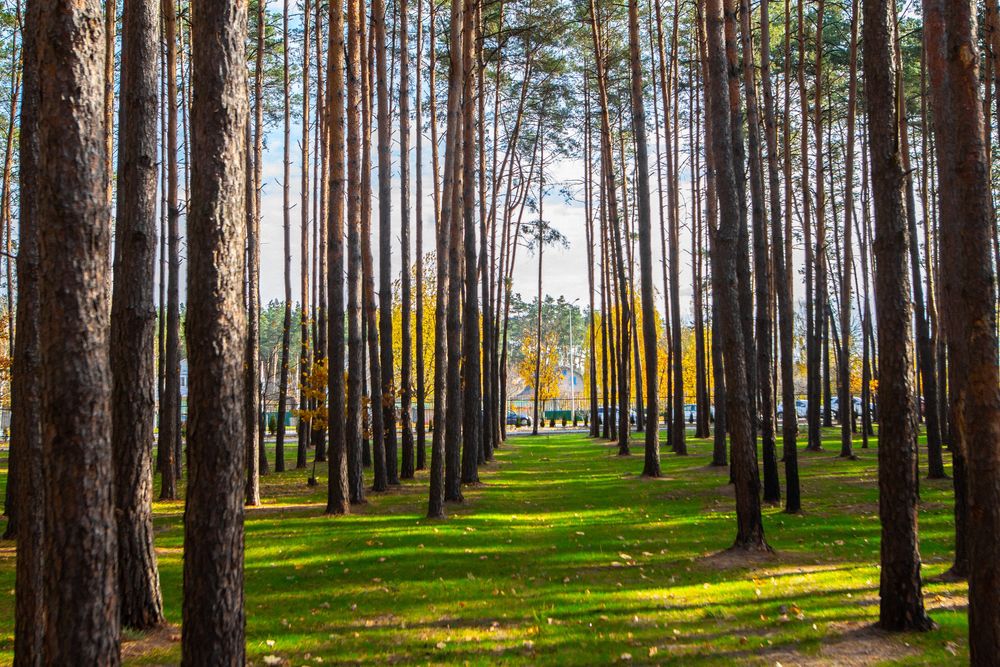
{"type": "Point", "coordinates": [421, 398]}
{"type": "Point", "coordinates": [81, 604]}
{"type": "Point", "coordinates": [304, 429]}
{"type": "Point", "coordinates": [133, 318]}
{"type": "Point", "coordinates": [406, 354]}
{"type": "Point", "coordinates": [286, 208]}
{"type": "Point", "coordinates": [902, 605]}
{"type": "Point", "coordinates": [844, 379]}
{"type": "Point", "coordinates": [170, 407]}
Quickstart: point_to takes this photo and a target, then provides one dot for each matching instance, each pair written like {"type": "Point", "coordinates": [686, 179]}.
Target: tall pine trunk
{"type": "Point", "coordinates": [133, 319]}
{"type": "Point", "coordinates": [74, 241]}
{"type": "Point", "coordinates": [902, 606]}
{"type": "Point", "coordinates": [214, 620]}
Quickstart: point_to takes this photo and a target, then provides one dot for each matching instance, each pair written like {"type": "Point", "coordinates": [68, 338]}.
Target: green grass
{"type": "Point", "coordinates": [565, 556]}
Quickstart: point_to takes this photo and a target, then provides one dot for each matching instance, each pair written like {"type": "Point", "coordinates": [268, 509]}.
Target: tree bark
{"type": "Point", "coordinates": [80, 597]}
{"type": "Point", "coordinates": [26, 375]}
{"type": "Point", "coordinates": [750, 527]}
{"type": "Point", "coordinates": [338, 490]}
{"type": "Point", "coordinates": [214, 620]}
{"type": "Point", "coordinates": [133, 319]}
{"type": "Point", "coordinates": [406, 354]}
{"type": "Point", "coordinates": [902, 606]}
{"type": "Point", "coordinates": [970, 298]}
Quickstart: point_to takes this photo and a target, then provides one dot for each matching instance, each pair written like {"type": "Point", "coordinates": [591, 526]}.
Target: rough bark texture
{"type": "Point", "coordinates": [133, 318]}
{"type": "Point", "coordinates": [26, 380]}
{"type": "Point", "coordinates": [81, 604]}
{"type": "Point", "coordinates": [472, 426]}
{"type": "Point", "coordinates": [902, 606]}
{"type": "Point", "coordinates": [213, 616]}
{"type": "Point", "coordinates": [355, 350]}
{"type": "Point", "coordinates": [750, 527]}
{"type": "Point", "coordinates": [338, 490]}
{"type": "Point", "coordinates": [969, 300]}
{"type": "Point", "coordinates": [286, 327]}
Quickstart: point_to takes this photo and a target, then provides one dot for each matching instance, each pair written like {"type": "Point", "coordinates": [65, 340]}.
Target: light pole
{"type": "Point", "coordinates": [572, 366]}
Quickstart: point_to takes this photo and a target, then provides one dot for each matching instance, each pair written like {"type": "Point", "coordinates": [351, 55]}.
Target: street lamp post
{"type": "Point", "coordinates": [572, 366]}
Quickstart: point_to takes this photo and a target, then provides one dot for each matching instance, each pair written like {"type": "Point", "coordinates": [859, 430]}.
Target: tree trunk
{"type": "Point", "coordinates": [406, 356]}
{"type": "Point", "coordinates": [444, 400]}
{"type": "Point", "coordinates": [421, 443]}
{"type": "Point", "coordinates": [762, 266]}
{"type": "Point", "coordinates": [902, 606]}
{"type": "Point", "coordinates": [286, 207]}
{"type": "Point", "coordinates": [304, 428]}
{"type": "Point", "coordinates": [170, 407]}
{"type": "Point", "coordinates": [214, 620]}
{"type": "Point", "coordinates": [388, 393]}
{"type": "Point", "coordinates": [26, 375]}
{"type": "Point", "coordinates": [80, 538]}
{"type": "Point", "coordinates": [338, 490]}
{"type": "Point", "coordinates": [970, 295]}
{"type": "Point", "coordinates": [355, 344]}
{"type": "Point", "coordinates": [651, 463]}
{"type": "Point", "coordinates": [133, 319]}
{"type": "Point", "coordinates": [750, 528]}
{"type": "Point", "coordinates": [472, 427]}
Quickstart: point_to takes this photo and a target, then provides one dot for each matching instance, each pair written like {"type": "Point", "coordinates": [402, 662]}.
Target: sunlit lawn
{"type": "Point", "coordinates": [565, 556]}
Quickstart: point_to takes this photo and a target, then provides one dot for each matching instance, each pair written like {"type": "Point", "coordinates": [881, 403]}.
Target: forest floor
{"type": "Point", "coordinates": [565, 556]}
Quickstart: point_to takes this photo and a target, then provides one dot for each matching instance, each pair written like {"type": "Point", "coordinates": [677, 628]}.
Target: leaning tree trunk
{"type": "Point", "coordinates": [133, 319]}
{"type": "Point", "coordinates": [74, 241]}
{"type": "Point", "coordinates": [214, 620]}
{"type": "Point", "coordinates": [902, 606]}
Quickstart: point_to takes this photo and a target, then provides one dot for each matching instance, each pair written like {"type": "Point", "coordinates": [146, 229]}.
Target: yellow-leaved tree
{"type": "Point", "coordinates": [548, 371]}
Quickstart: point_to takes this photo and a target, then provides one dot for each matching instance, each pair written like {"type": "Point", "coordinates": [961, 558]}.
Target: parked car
{"type": "Point", "coordinates": [600, 415]}
{"type": "Point", "coordinates": [514, 419]}
{"type": "Point", "coordinates": [835, 406]}
{"type": "Point", "coordinates": [801, 407]}
{"type": "Point", "coordinates": [691, 413]}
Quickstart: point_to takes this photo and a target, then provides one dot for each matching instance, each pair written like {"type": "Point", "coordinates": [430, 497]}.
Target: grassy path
{"type": "Point", "coordinates": [564, 556]}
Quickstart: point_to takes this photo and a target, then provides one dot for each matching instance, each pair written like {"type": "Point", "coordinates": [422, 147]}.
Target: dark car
{"type": "Point", "coordinates": [514, 419]}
